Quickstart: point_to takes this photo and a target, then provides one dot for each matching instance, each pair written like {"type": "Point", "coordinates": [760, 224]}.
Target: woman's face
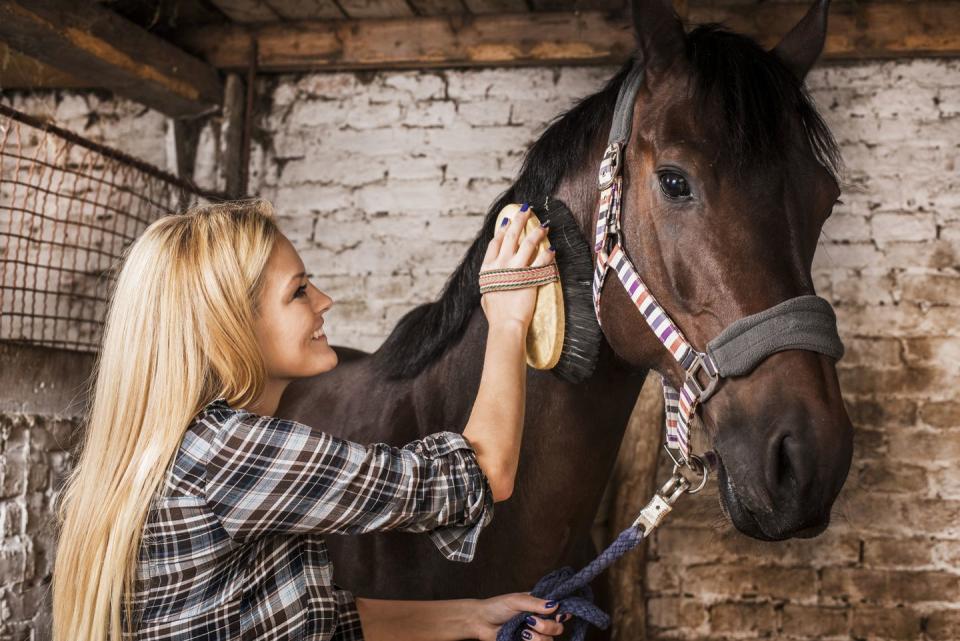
{"type": "Point", "coordinates": [289, 324]}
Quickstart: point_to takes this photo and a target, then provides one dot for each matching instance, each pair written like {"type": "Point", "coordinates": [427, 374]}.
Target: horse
{"type": "Point", "coordinates": [729, 176]}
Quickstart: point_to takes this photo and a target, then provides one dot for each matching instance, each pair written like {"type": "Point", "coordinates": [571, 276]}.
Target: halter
{"type": "Point", "coordinates": [805, 322]}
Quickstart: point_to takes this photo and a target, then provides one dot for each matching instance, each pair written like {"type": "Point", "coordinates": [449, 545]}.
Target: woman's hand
{"type": "Point", "coordinates": [506, 250]}
{"type": "Point", "coordinates": [494, 612]}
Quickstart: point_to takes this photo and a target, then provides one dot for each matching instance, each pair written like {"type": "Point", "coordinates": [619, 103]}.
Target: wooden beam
{"type": "Point", "coordinates": [246, 10]}
{"type": "Point", "coordinates": [96, 45]}
{"type": "Point", "coordinates": [511, 39]}
{"type": "Point", "coordinates": [307, 9]}
{"type": "Point", "coordinates": [861, 30]}
{"type": "Point", "coordinates": [18, 71]}
{"type": "Point", "coordinates": [438, 7]}
{"type": "Point", "coordinates": [496, 6]}
{"type": "Point", "coordinates": [376, 8]}
{"type": "Point", "coordinates": [857, 30]}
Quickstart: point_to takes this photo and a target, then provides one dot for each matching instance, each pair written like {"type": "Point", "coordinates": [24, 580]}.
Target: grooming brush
{"type": "Point", "coordinates": [564, 335]}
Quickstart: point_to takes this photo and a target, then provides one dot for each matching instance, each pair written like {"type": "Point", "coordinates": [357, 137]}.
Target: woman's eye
{"type": "Point", "coordinates": [300, 291]}
{"type": "Point", "coordinates": [674, 185]}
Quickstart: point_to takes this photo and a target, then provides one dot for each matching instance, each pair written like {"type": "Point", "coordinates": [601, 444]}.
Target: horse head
{"type": "Point", "coordinates": [729, 175]}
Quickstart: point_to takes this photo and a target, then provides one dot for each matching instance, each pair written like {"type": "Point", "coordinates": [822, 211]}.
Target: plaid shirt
{"type": "Point", "coordinates": [232, 548]}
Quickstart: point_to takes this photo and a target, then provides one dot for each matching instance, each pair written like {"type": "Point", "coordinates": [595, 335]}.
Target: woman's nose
{"type": "Point", "coordinates": [324, 302]}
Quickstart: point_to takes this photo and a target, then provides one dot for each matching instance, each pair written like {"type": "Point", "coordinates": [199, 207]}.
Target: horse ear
{"type": "Point", "coordinates": [659, 33]}
{"type": "Point", "coordinates": [800, 48]}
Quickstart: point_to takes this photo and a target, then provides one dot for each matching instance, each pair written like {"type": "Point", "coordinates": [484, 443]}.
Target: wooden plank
{"type": "Point", "coordinates": [496, 6]}
{"type": "Point", "coordinates": [857, 30]}
{"type": "Point", "coordinates": [438, 7]}
{"type": "Point", "coordinates": [880, 30]}
{"type": "Point", "coordinates": [376, 8]}
{"type": "Point", "coordinates": [245, 11]}
{"type": "Point", "coordinates": [552, 5]}
{"type": "Point", "coordinates": [18, 71]}
{"type": "Point", "coordinates": [579, 5]}
{"type": "Point", "coordinates": [89, 42]}
{"type": "Point", "coordinates": [307, 9]}
{"type": "Point", "coordinates": [510, 39]}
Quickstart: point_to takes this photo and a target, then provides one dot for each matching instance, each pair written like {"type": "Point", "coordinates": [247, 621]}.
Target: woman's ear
{"type": "Point", "coordinates": [658, 31]}
{"type": "Point", "coordinates": [800, 48]}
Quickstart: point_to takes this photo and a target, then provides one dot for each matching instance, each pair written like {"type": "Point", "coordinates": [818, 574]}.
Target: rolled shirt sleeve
{"type": "Point", "coordinates": [267, 475]}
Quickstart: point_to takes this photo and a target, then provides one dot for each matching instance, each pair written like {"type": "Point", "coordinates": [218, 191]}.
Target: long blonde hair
{"type": "Point", "coordinates": [178, 334]}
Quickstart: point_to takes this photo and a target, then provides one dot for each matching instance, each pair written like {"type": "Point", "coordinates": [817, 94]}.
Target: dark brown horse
{"type": "Point", "coordinates": [730, 175]}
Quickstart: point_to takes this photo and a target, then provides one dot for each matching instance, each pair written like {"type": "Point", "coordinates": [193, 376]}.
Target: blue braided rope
{"type": "Point", "coordinates": [574, 593]}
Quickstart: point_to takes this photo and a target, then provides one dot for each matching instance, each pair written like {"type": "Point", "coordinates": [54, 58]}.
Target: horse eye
{"type": "Point", "coordinates": [674, 185]}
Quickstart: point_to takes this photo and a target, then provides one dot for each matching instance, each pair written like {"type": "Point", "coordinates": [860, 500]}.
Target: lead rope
{"type": "Point", "coordinates": [572, 591]}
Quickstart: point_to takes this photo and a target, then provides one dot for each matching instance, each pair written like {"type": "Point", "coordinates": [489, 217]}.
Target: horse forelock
{"type": "Point", "coordinates": [750, 97]}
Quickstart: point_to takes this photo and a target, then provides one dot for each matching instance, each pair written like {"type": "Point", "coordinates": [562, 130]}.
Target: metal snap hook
{"type": "Point", "coordinates": [696, 465]}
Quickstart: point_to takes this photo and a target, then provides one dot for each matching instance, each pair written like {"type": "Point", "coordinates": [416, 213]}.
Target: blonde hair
{"type": "Point", "coordinates": [179, 333]}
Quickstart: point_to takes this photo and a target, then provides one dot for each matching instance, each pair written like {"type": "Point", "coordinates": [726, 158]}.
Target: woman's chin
{"type": "Point", "coordinates": [326, 360]}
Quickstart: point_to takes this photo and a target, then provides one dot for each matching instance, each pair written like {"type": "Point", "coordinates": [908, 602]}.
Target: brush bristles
{"type": "Point", "coordinates": [582, 335]}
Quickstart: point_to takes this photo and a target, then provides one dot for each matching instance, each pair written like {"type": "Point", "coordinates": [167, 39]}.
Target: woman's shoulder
{"type": "Point", "coordinates": [187, 469]}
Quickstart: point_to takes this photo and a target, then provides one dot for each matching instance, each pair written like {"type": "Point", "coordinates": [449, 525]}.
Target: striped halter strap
{"type": "Point", "coordinates": [805, 322]}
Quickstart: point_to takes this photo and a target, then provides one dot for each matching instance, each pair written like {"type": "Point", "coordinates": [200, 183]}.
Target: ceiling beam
{"type": "Point", "coordinates": [18, 71]}
{"type": "Point", "coordinates": [96, 46]}
{"type": "Point", "coordinates": [857, 31]}
{"type": "Point", "coordinates": [414, 43]}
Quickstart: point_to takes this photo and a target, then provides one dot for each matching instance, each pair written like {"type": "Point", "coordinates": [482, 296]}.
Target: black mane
{"type": "Point", "coordinates": [757, 95]}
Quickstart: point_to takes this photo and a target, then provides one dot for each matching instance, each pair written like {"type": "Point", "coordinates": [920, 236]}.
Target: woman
{"type": "Point", "coordinates": [194, 514]}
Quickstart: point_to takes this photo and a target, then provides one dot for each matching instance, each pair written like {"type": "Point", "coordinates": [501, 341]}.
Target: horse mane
{"type": "Point", "coordinates": [750, 85]}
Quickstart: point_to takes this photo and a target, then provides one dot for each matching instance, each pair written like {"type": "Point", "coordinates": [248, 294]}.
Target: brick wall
{"type": "Point", "coordinates": [380, 180]}
{"type": "Point", "coordinates": [38, 409]}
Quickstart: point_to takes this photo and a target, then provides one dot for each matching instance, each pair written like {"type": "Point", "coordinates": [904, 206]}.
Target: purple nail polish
{"type": "Point", "coordinates": [544, 225]}
{"type": "Point", "coordinates": [526, 634]}
{"type": "Point", "coordinates": [550, 605]}
{"type": "Point", "coordinates": [530, 621]}
{"type": "Point", "coordinates": [552, 248]}
{"type": "Point", "coordinates": [503, 223]}
{"type": "Point", "coordinates": [525, 207]}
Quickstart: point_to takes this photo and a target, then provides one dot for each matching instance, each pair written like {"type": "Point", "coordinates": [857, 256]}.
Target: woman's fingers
{"type": "Point", "coordinates": [546, 627]}
{"type": "Point", "coordinates": [493, 247]}
{"type": "Point", "coordinates": [532, 635]}
{"type": "Point", "coordinates": [511, 239]}
{"type": "Point", "coordinates": [528, 247]}
{"type": "Point", "coordinates": [544, 257]}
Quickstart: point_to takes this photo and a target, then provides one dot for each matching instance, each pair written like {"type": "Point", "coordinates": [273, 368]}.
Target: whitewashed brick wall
{"type": "Point", "coordinates": [381, 179]}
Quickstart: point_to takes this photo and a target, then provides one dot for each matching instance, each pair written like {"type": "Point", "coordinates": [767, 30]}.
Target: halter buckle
{"type": "Point", "coordinates": [610, 165]}
{"type": "Point", "coordinates": [703, 391]}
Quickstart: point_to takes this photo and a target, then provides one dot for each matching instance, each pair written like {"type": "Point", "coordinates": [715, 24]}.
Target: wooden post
{"type": "Point", "coordinates": [231, 136]}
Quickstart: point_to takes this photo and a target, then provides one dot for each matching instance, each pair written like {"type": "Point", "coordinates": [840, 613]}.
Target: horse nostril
{"type": "Point", "coordinates": [782, 472]}
{"type": "Point", "coordinates": [785, 470]}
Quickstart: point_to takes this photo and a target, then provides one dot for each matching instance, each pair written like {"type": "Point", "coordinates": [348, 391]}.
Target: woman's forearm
{"type": "Point", "coordinates": [384, 620]}
{"type": "Point", "coordinates": [496, 423]}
